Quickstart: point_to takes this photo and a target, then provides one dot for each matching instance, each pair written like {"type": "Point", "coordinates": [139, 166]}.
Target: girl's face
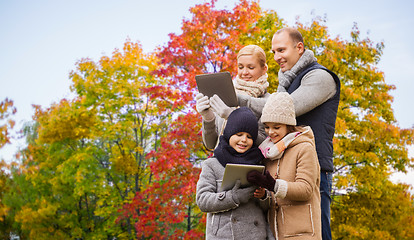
{"type": "Point", "coordinates": [241, 142]}
{"type": "Point", "coordinates": [249, 68]}
{"type": "Point", "coordinates": [276, 131]}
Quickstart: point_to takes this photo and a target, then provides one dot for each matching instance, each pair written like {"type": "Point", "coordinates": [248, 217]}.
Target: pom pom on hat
{"type": "Point", "coordinates": [241, 120]}
{"type": "Point", "coordinates": [279, 108]}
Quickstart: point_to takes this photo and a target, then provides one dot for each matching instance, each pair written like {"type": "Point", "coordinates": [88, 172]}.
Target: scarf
{"type": "Point", "coordinates": [274, 151]}
{"type": "Point", "coordinates": [286, 78]}
{"type": "Point", "coordinates": [255, 88]}
{"type": "Point", "coordinates": [227, 154]}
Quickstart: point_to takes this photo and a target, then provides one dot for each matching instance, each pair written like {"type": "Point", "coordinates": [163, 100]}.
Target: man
{"type": "Point", "coordinates": [315, 91]}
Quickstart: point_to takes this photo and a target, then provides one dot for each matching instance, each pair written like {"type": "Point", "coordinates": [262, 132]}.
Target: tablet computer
{"type": "Point", "coordinates": [220, 84]}
{"type": "Point", "coordinates": [233, 172]}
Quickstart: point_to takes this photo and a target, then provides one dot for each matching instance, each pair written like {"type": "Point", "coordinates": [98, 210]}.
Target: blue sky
{"type": "Point", "coordinates": [41, 41]}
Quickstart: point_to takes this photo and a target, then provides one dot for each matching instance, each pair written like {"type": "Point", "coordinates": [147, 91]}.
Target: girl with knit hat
{"type": "Point", "coordinates": [292, 173]}
{"type": "Point", "coordinates": [235, 213]}
{"type": "Point", "coordinates": [251, 80]}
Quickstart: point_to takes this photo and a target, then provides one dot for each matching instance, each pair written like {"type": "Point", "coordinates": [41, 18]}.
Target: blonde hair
{"type": "Point", "coordinates": [255, 51]}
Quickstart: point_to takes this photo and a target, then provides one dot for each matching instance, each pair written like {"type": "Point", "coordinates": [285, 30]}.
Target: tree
{"type": "Point", "coordinates": [368, 143]}
{"type": "Point", "coordinates": [86, 157]}
{"type": "Point", "coordinates": [378, 209]}
{"type": "Point", "coordinates": [208, 43]}
{"type": "Point", "coordinates": [170, 214]}
{"type": "Point", "coordinates": [367, 135]}
{"type": "Point", "coordinates": [7, 110]}
{"type": "Point", "coordinates": [122, 158]}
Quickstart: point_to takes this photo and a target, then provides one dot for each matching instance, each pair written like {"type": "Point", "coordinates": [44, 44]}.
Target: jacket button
{"type": "Point", "coordinates": [221, 196]}
{"type": "Point", "coordinates": [256, 223]}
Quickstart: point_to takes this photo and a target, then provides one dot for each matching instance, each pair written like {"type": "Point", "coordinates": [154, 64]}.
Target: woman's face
{"type": "Point", "coordinates": [276, 131]}
{"type": "Point", "coordinates": [249, 68]}
{"type": "Point", "coordinates": [241, 142]}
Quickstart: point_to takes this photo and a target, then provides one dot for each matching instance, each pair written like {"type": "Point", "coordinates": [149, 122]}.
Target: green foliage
{"type": "Point", "coordinates": [121, 159]}
{"type": "Point", "coordinates": [6, 122]}
{"type": "Point", "coordinates": [367, 137]}
{"type": "Point", "coordinates": [7, 110]}
{"type": "Point", "coordinates": [378, 209]}
{"type": "Point", "coordinates": [268, 23]}
{"type": "Point", "coordinates": [86, 157]}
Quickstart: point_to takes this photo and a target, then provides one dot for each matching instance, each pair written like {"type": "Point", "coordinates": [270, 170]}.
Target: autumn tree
{"type": "Point", "coordinates": [7, 111]}
{"type": "Point", "coordinates": [210, 40]}
{"type": "Point", "coordinates": [367, 134]}
{"type": "Point", "coordinates": [378, 209]}
{"type": "Point", "coordinates": [87, 156]}
{"type": "Point", "coordinates": [368, 139]}
{"type": "Point", "coordinates": [208, 43]}
{"type": "Point", "coordinates": [121, 159]}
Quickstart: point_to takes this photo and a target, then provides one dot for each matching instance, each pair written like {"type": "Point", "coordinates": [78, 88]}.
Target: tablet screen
{"type": "Point", "coordinates": [220, 84]}
{"type": "Point", "coordinates": [234, 172]}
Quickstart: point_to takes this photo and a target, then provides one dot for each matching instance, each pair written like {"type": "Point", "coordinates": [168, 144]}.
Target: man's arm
{"type": "Point", "coordinates": [255, 104]}
{"type": "Point", "coordinates": [317, 87]}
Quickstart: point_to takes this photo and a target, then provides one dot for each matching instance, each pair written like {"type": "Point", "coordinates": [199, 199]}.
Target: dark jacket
{"type": "Point", "coordinates": [321, 119]}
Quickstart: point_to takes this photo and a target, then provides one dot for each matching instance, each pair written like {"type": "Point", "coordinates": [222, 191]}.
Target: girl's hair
{"type": "Point", "coordinates": [255, 51]}
{"type": "Point", "coordinates": [291, 128]}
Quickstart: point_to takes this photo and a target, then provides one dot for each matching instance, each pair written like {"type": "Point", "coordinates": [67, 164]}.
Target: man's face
{"type": "Point", "coordinates": [287, 53]}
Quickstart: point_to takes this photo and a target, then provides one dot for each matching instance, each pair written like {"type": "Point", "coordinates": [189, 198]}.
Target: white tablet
{"type": "Point", "coordinates": [220, 84]}
{"type": "Point", "coordinates": [233, 172]}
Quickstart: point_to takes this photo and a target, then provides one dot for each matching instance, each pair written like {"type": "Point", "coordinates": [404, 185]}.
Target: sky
{"type": "Point", "coordinates": [41, 42]}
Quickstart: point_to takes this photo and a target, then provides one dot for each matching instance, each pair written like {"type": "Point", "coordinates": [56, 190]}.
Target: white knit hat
{"type": "Point", "coordinates": [279, 108]}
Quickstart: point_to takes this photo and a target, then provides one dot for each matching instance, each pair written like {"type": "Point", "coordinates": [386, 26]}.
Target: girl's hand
{"type": "Point", "coordinates": [259, 193]}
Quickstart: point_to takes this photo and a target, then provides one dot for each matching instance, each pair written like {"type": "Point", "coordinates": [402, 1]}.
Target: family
{"type": "Point", "coordinates": [290, 132]}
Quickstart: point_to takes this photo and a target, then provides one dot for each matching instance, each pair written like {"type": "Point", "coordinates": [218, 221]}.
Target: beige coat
{"type": "Point", "coordinates": [298, 212]}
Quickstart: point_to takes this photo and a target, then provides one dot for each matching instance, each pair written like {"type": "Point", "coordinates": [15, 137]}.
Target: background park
{"type": "Point", "coordinates": [111, 147]}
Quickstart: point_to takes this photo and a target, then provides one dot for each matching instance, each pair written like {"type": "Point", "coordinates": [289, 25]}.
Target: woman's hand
{"type": "Point", "coordinates": [203, 107]}
{"type": "Point", "coordinates": [220, 107]}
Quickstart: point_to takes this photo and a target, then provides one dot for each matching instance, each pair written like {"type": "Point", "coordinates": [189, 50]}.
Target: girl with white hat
{"type": "Point", "coordinates": [292, 173]}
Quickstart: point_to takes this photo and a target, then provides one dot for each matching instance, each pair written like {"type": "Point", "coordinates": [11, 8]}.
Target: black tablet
{"type": "Point", "coordinates": [220, 84]}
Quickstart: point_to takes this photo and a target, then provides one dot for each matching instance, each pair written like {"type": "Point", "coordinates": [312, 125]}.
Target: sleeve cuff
{"type": "Point", "coordinates": [209, 119]}
{"type": "Point", "coordinates": [281, 188]}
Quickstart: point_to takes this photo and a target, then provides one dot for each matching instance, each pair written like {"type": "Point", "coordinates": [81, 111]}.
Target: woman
{"type": "Point", "coordinates": [251, 80]}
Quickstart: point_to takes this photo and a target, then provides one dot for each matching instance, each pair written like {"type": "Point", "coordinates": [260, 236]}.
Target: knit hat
{"type": "Point", "coordinates": [279, 108]}
{"type": "Point", "coordinates": [241, 120]}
